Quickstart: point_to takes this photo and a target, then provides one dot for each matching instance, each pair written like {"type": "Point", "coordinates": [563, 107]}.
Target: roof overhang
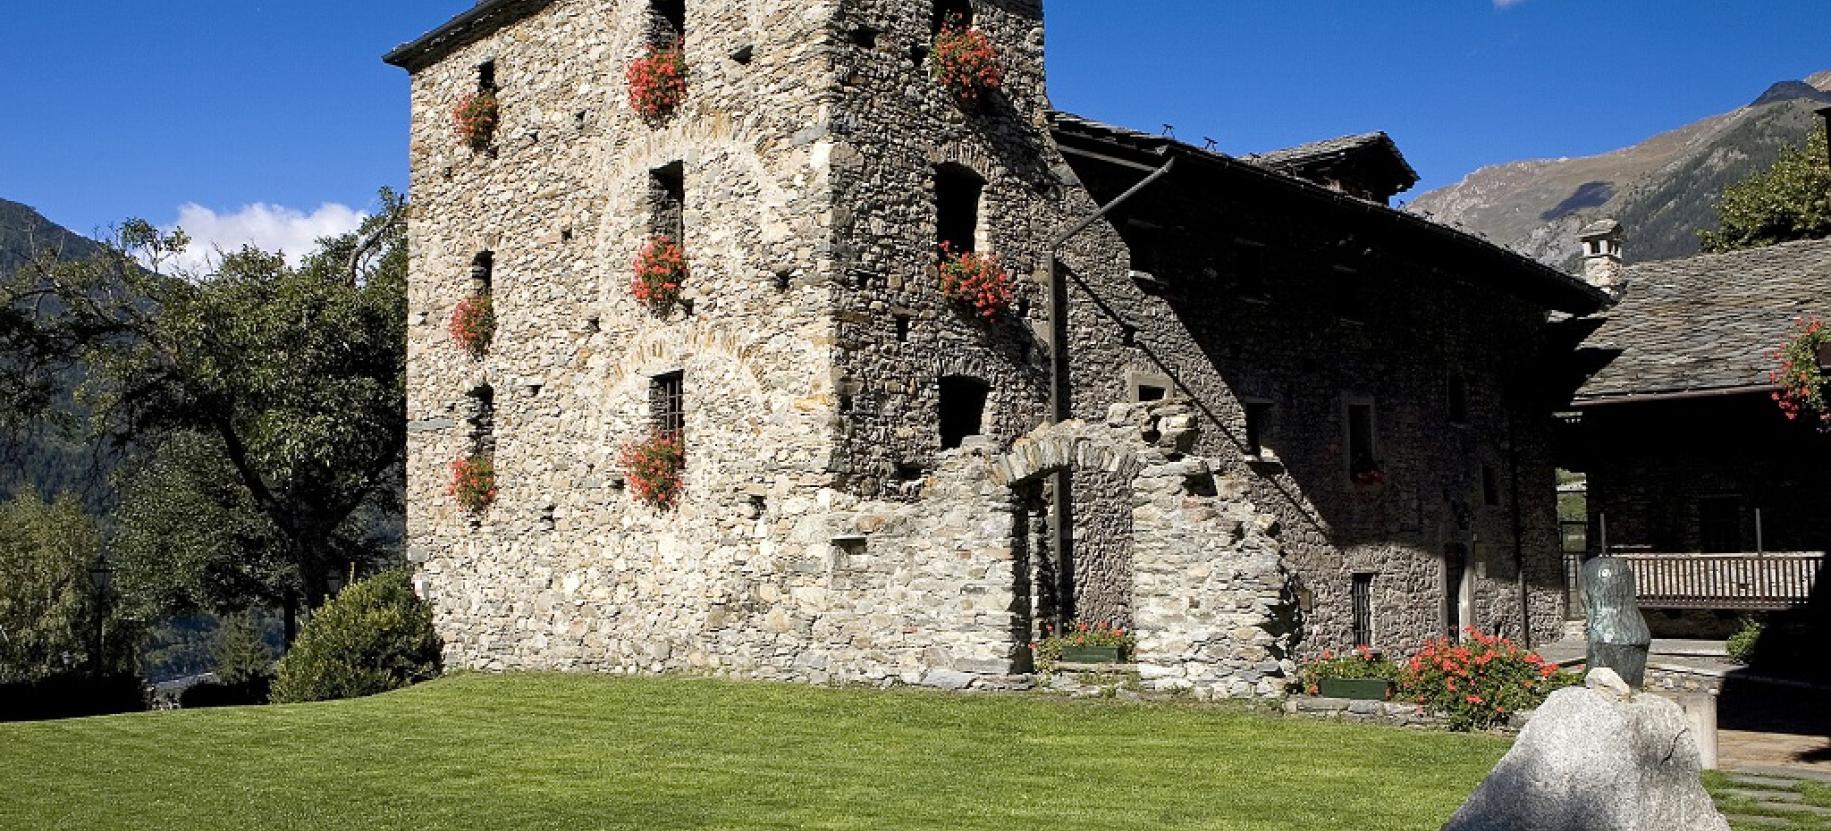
{"type": "Point", "coordinates": [1670, 395]}
{"type": "Point", "coordinates": [483, 20]}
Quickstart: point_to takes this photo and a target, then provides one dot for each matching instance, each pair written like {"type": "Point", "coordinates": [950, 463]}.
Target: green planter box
{"type": "Point", "coordinates": [1362, 689]}
{"type": "Point", "coordinates": [1090, 655]}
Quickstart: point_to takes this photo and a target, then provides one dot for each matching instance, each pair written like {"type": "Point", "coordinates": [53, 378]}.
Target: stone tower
{"type": "Point", "coordinates": [816, 372]}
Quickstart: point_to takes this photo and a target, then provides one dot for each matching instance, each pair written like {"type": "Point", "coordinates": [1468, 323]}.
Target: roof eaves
{"type": "Point", "coordinates": [482, 20]}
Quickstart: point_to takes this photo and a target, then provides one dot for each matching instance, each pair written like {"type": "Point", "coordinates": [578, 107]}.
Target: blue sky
{"type": "Point", "coordinates": [202, 108]}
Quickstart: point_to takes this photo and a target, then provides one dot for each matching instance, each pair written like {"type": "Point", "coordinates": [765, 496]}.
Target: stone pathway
{"type": "Point", "coordinates": [1774, 798]}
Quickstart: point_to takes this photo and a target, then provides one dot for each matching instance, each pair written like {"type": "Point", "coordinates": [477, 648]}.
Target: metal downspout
{"type": "Point", "coordinates": [1063, 532]}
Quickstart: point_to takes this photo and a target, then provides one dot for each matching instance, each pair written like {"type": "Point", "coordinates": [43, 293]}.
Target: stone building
{"type": "Point", "coordinates": [1250, 412]}
{"type": "Point", "coordinates": [1684, 448]}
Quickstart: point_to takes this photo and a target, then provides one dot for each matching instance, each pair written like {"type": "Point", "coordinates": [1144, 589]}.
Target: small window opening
{"type": "Point", "coordinates": [902, 328]}
{"type": "Point", "coordinates": [962, 409]}
{"type": "Point", "coordinates": [565, 235]}
{"type": "Point", "coordinates": [783, 278]}
{"type": "Point", "coordinates": [483, 273]}
{"type": "Point", "coordinates": [1458, 400]}
{"type": "Point", "coordinates": [482, 420]}
{"type": "Point", "coordinates": [667, 404]}
{"type": "Point", "coordinates": [1258, 427]}
{"type": "Point", "coordinates": [1490, 486]}
{"type": "Point", "coordinates": [906, 472]}
{"type": "Point", "coordinates": [1720, 524]}
{"type": "Point", "coordinates": [744, 54]}
{"type": "Point", "coordinates": [865, 37]}
{"type": "Point", "coordinates": [594, 324]}
{"type": "Point", "coordinates": [951, 13]}
{"type": "Point", "coordinates": [668, 202]}
{"type": "Point", "coordinates": [1151, 392]}
{"type": "Point", "coordinates": [667, 21]}
{"type": "Point", "coordinates": [486, 76]}
{"type": "Point", "coordinates": [1361, 595]}
{"type": "Point", "coordinates": [918, 54]}
{"type": "Point", "coordinates": [957, 194]}
{"type": "Point", "coordinates": [579, 118]}
{"type": "Point", "coordinates": [861, 280]}
{"type": "Point", "coordinates": [1249, 271]}
{"type": "Point", "coordinates": [1128, 335]}
{"type": "Point", "coordinates": [1360, 439]}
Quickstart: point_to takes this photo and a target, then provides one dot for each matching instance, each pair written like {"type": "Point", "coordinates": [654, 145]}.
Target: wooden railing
{"type": "Point", "coordinates": [1751, 582]}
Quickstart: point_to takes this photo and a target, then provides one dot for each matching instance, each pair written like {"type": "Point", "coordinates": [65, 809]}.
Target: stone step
{"type": "Point", "coordinates": [1754, 780]}
{"type": "Point", "coordinates": [1744, 820]}
{"type": "Point", "coordinates": [1793, 808]}
{"type": "Point", "coordinates": [1766, 795]}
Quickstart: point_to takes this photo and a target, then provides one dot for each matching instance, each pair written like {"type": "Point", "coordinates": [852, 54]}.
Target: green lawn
{"type": "Point", "coordinates": [578, 752]}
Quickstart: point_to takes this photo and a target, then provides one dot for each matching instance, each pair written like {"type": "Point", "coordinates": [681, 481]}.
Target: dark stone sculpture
{"type": "Point", "coordinates": [1618, 635]}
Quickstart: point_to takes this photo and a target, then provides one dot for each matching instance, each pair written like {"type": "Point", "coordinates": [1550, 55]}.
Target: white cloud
{"type": "Point", "coordinates": [264, 226]}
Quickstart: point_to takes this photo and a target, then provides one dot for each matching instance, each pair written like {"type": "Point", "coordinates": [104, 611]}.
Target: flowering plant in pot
{"type": "Point", "coordinates": [477, 117]}
{"type": "Point", "coordinates": [473, 324]}
{"type": "Point", "coordinates": [473, 482]}
{"type": "Point", "coordinates": [1801, 376]}
{"type": "Point", "coordinates": [653, 468]}
{"type": "Point", "coordinates": [658, 82]}
{"type": "Point", "coordinates": [977, 281]}
{"type": "Point", "coordinates": [1082, 643]}
{"type": "Point", "coordinates": [1480, 681]}
{"type": "Point", "coordinates": [1360, 673]}
{"type": "Point", "coordinates": [964, 61]}
{"type": "Point", "coordinates": [661, 270]}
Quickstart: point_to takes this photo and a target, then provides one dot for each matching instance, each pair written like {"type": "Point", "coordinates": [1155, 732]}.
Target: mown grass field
{"type": "Point", "coordinates": [531, 752]}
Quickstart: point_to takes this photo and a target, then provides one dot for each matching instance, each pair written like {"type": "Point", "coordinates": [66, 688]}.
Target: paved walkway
{"type": "Point", "coordinates": [1751, 801]}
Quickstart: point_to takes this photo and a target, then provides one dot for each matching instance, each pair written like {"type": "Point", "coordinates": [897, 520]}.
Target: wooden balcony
{"type": "Point", "coordinates": [1768, 581]}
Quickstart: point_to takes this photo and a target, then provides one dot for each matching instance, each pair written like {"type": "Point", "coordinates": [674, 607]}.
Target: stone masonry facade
{"type": "Point", "coordinates": [827, 531]}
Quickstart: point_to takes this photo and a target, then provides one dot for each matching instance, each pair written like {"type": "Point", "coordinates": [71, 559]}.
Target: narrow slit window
{"type": "Point", "coordinates": [957, 195]}
{"type": "Point", "coordinates": [902, 328]}
{"type": "Point", "coordinates": [962, 409]}
{"type": "Point", "coordinates": [668, 202]}
{"type": "Point", "coordinates": [486, 76]}
{"type": "Point", "coordinates": [667, 404]}
{"type": "Point", "coordinates": [1361, 597]}
{"type": "Point", "coordinates": [1361, 458]}
{"type": "Point", "coordinates": [1490, 486]}
{"type": "Point", "coordinates": [668, 22]}
{"type": "Point", "coordinates": [482, 420]}
{"type": "Point", "coordinates": [1458, 400]}
{"type": "Point", "coordinates": [1258, 427]}
{"type": "Point", "coordinates": [483, 273]}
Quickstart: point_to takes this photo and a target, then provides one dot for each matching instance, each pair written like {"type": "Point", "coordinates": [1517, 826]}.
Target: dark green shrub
{"type": "Point", "coordinates": [1741, 645]}
{"type": "Point", "coordinates": [219, 694]}
{"type": "Point", "coordinates": [376, 636]}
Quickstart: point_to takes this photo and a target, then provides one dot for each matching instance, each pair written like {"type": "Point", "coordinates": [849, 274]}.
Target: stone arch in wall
{"type": "Point", "coordinates": [1214, 608]}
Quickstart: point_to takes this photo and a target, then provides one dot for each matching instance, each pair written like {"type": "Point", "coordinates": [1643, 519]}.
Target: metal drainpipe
{"type": "Point", "coordinates": [1063, 532]}
{"type": "Point", "coordinates": [1519, 536]}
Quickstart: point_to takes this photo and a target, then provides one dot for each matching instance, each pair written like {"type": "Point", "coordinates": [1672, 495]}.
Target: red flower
{"type": "Point", "coordinates": [977, 280]}
{"type": "Point", "coordinates": [473, 482]}
{"type": "Point", "coordinates": [964, 61]}
{"type": "Point", "coordinates": [477, 117]}
{"type": "Point", "coordinates": [473, 324]}
{"type": "Point", "coordinates": [658, 82]}
{"type": "Point", "coordinates": [661, 269]}
{"type": "Point", "coordinates": [653, 468]}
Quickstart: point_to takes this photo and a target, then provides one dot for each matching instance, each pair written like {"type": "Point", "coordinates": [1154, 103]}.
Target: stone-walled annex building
{"type": "Point", "coordinates": [1249, 413]}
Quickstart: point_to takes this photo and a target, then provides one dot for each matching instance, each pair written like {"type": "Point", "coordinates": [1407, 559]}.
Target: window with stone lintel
{"type": "Point", "coordinates": [958, 191]}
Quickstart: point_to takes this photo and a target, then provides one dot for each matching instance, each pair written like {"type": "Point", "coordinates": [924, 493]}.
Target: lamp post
{"type": "Point", "coordinates": [101, 577]}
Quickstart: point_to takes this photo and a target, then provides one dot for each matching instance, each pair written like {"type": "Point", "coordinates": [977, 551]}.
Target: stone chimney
{"type": "Point", "coordinates": [1602, 254]}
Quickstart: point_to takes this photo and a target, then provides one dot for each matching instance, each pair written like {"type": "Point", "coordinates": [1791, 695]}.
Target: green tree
{"type": "Point", "coordinates": [48, 601]}
{"type": "Point", "coordinates": [1791, 200]}
{"type": "Point", "coordinates": [263, 405]}
{"type": "Point", "coordinates": [374, 637]}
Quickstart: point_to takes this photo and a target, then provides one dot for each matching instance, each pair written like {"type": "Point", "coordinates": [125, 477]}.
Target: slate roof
{"type": "Point", "coordinates": [480, 21]}
{"type": "Point", "coordinates": [1307, 155]}
{"type": "Point", "coordinates": [1557, 289]}
{"type": "Point", "coordinates": [1709, 323]}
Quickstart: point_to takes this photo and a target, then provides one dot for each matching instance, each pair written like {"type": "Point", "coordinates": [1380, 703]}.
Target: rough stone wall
{"type": "Point", "coordinates": [1101, 504]}
{"type": "Point", "coordinates": [1391, 332]}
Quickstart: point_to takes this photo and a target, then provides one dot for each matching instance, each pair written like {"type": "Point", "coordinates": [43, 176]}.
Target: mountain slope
{"type": "Point", "coordinates": [1663, 190]}
{"type": "Point", "coordinates": [45, 458]}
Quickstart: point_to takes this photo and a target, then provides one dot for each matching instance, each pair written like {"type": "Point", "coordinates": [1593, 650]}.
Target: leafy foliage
{"type": "Point", "coordinates": [1048, 651]}
{"type": "Point", "coordinates": [473, 482]}
{"type": "Point", "coordinates": [1800, 376]}
{"type": "Point", "coordinates": [1790, 200]}
{"type": "Point", "coordinates": [1360, 663]}
{"type": "Point", "coordinates": [964, 61]}
{"type": "Point", "coordinates": [473, 324]}
{"type": "Point", "coordinates": [1741, 645]}
{"type": "Point", "coordinates": [477, 117]}
{"type": "Point", "coordinates": [1480, 682]}
{"type": "Point", "coordinates": [661, 270]}
{"type": "Point", "coordinates": [658, 82]}
{"type": "Point", "coordinates": [653, 466]}
{"type": "Point", "coordinates": [976, 280]}
{"type": "Point", "coordinates": [48, 600]}
{"type": "Point", "coordinates": [374, 637]}
{"type": "Point", "coordinates": [263, 401]}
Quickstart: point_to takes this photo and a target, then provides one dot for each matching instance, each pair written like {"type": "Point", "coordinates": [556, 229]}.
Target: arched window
{"type": "Point", "coordinates": [962, 409]}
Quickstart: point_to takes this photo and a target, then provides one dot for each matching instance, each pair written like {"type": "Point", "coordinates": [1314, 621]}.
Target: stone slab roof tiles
{"type": "Point", "coordinates": [1708, 323]}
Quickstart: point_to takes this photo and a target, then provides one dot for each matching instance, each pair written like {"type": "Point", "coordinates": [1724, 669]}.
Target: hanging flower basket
{"type": "Point", "coordinates": [473, 482]}
{"type": "Point", "coordinates": [653, 468]}
{"type": "Point", "coordinates": [477, 117]}
{"type": "Point", "coordinates": [1801, 375]}
{"type": "Point", "coordinates": [977, 281]}
{"type": "Point", "coordinates": [473, 324]}
{"type": "Point", "coordinates": [965, 62]}
{"type": "Point", "coordinates": [658, 82]}
{"type": "Point", "coordinates": [661, 270]}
